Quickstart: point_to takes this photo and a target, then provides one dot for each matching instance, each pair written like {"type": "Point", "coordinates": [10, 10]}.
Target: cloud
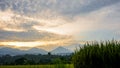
{"type": "Point", "coordinates": [57, 20]}
{"type": "Point", "coordinates": [50, 19]}
{"type": "Point", "coordinates": [96, 5]}
{"type": "Point", "coordinates": [31, 35]}
{"type": "Point", "coordinates": [98, 25]}
{"type": "Point", "coordinates": [64, 7]}
{"type": "Point", "coordinates": [10, 20]}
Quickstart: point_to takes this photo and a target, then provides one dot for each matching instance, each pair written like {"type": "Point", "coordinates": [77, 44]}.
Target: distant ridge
{"type": "Point", "coordinates": [73, 47]}
{"type": "Point", "coordinates": [57, 51]}
{"type": "Point", "coordinates": [61, 51]}
{"type": "Point", "coordinates": [13, 52]}
{"type": "Point", "coordinates": [36, 51]}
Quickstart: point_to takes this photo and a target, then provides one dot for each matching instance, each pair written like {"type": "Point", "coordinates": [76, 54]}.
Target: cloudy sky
{"type": "Point", "coordinates": [50, 23]}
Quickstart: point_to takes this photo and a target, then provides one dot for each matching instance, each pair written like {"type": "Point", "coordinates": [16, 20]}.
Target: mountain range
{"type": "Point", "coordinates": [12, 51]}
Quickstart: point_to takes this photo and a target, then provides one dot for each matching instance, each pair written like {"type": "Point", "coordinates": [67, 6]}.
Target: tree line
{"type": "Point", "coordinates": [30, 59]}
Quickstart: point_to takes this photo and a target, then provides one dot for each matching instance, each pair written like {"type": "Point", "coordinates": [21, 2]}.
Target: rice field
{"type": "Point", "coordinates": [39, 66]}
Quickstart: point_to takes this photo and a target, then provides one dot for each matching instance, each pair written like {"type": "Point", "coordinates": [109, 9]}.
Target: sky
{"type": "Point", "coordinates": [50, 23]}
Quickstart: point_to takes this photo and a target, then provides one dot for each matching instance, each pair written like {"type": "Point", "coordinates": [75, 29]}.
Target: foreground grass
{"type": "Point", "coordinates": [39, 66]}
{"type": "Point", "coordinates": [105, 54]}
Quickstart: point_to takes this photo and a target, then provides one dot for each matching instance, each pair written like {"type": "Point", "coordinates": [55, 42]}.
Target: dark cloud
{"type": "Point", "coordinates": [98, 4]}
{"type": "Point", "coordinates": [64, 7]}
{"type": "Point", "coordinates": [4, 5]}
{"type": "Point", "coordinates": [28, 25]}
{"type": "Point", "coordinates": [30, 35]}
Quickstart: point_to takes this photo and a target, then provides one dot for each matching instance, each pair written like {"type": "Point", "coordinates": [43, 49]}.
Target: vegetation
{"type": "Point", "coordinates": [35, 59]}
{"type": "Point", "coordinates": [105, 54]}
{"type": "Point", "coordinates": [98, 55]}
{"type": "Point", "coordinates": [38, 66]}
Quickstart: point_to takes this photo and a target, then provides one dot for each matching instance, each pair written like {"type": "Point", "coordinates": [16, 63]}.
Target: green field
{"type": "Point", "coordinates": [38, 66]}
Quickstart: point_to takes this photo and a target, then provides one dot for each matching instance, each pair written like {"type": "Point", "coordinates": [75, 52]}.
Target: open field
{"type": "Point", "coordinates": [38, 66]}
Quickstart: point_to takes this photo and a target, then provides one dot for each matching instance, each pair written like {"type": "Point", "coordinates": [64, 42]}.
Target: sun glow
{"type": "Point", "coordinates": [16, 30]}
{"type": "Point", "coordinates": [30, 44]}
{"type": "Point", "coordinates": [52, 30]}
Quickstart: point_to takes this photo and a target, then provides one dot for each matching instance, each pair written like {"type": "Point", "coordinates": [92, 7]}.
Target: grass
{"type": "Point", "coordinates": [105, 54]}
{"type": "Point", "coordinates": [39, 66]}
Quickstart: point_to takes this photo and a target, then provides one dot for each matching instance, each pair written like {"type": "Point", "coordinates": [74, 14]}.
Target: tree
{"type": "Point", "coordinates": [21, 61]}
{"type": "Point", "coordinates": [57, 61]}
{"type": "Point", "coordinates": [49, 53]}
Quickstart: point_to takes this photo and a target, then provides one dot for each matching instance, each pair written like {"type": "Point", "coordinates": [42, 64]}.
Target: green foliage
{"type": "Point", "coordinates": [61, 65]}
{"type": "Point", "coordinates": [98, 55]}
{"type": "Point", "coordinates": [34, 59]}
{"type": "Point", "coordinates": [39, 66]}
{"type": "Point", "coordinates": [21, 61]}
{"type": "Point", "coordinates": [57, 61]}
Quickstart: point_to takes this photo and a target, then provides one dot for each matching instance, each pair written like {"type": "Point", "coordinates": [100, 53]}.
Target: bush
{"type": "Point", "coordinates": [98, 55]}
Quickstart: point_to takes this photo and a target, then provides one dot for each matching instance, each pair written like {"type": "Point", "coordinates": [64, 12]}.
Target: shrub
{"type": "Point", "coordinates": [98, 55]}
